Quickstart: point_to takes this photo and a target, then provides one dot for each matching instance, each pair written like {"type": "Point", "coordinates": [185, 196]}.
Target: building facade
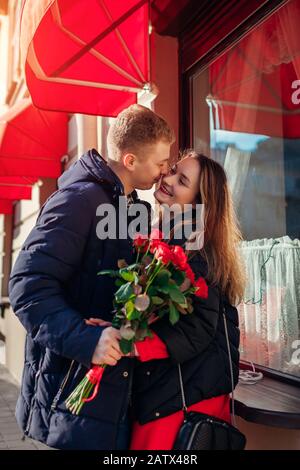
{"type": "Point", "coordinates": [228, 74]}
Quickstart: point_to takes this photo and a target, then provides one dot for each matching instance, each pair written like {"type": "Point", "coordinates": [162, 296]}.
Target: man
{"type": "Point", "coordinates": [54, 287]}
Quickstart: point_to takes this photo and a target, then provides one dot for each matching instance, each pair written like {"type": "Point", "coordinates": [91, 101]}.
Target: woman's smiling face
{"type": "Point", "coordinates": [181, 184]}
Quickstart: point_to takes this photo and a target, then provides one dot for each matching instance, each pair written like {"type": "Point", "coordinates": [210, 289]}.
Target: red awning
{"type": "Point", "coordinates": [251, 86]}
{"type": "Point", "coordinates": [6, 206]}
{"type": "Point", "coordinates": [85, 57]}
{"type": "Point", "coordinates": [14, 188]}
{"type": "Point", "coordinates": [15, 192]}
{"type": "Point", "coordinates": [32, 142]}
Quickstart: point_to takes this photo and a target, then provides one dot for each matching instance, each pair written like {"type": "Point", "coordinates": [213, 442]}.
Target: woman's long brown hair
{"type": "Point", "coordinates": [221, 231]}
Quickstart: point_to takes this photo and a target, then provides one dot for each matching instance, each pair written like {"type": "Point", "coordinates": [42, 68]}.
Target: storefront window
{"type": "Point", "coordinates": [246, 111]}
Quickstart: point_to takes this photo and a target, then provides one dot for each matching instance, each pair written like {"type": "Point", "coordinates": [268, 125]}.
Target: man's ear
{"type": "Point", "coordinates": [129, 160]}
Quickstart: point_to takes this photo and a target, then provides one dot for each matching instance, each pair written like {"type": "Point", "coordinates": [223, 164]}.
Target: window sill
{"type": "Point", "coordinates": [269, 402]}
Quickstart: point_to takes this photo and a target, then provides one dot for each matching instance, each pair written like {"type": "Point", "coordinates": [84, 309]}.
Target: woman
{"type": "Point", "coordinates": [196, 341]}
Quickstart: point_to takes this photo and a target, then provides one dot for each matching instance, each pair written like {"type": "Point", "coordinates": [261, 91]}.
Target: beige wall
{"type": "Point", "coordinates": [25, 217]}
{"type": "Point", "coordinates": [3, 59]}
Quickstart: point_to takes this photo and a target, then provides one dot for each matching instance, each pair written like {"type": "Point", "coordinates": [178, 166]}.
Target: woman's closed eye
{"type": "Point", "coordinates": [173, 170]}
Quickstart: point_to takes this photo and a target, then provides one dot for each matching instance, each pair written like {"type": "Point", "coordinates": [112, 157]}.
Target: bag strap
{"type": "Point", "coordinates": [233, 422]}
{"type": "Point", "coordinates": [184, 407]}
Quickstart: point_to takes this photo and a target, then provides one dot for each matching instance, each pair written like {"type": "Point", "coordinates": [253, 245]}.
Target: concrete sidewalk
{"type": "Point", "coordinates": [10, 434]}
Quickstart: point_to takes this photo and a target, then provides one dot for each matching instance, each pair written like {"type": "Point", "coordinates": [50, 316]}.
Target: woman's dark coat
{"type": "Point", "coordinates": [198, 343]}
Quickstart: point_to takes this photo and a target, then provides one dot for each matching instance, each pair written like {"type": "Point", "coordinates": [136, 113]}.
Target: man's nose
{"type": "Point", "coordinates": [164, 170]}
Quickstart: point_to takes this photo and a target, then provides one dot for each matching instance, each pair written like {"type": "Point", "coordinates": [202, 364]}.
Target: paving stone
{"type": "Point", "coordinates": [10, 433]}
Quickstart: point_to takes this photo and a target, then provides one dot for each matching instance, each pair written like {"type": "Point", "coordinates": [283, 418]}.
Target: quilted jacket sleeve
{"type": "Point", "coordinates": [193, 333]}
{"type": "Point", "coordinates": [47, 260]}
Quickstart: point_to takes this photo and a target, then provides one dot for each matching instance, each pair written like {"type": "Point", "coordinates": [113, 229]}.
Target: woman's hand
{"type": "Point", "coordinates": [97, 322]}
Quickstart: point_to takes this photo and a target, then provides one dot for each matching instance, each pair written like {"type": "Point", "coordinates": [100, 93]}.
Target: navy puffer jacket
{"type": "Point", "coordinates": [53, 286]}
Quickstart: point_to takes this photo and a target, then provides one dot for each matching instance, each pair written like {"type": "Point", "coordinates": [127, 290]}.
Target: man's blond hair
{"type": "Point", "coordinates": [135, 127]}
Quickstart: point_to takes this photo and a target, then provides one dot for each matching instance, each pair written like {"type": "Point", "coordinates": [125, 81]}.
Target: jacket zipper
{"type": "Point", "coordinates": [61, 389]}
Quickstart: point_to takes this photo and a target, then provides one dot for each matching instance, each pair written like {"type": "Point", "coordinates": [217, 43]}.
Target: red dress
{"type": "Point", "coordinates": [160, 434]}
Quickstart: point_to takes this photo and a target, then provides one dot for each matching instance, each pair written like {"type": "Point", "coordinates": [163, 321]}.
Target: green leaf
{"type": "Point", "coordinates": [157, 300]}
{"type": "Point", "coordinates": [177, 296]}
{"type": "Point", "coordinates": [126, 345]}
{"type": "Point", "coordinates": [162, 278]}
{"type": "Point", "coordinates": [109, 272]}
{"type": "Point", "coordinates": [178, 277]}
{"type": "Point", "coordinates": [116, 322]}
{"type": "Point", "coordinates": [174, 293]}
{"type": "Point", "coordinates": [119, 282]}
{"type": "Point", "coordinates": [173, 314]}
{"type": "Point", "coordinates": [129, 306]}
{"type": "Point", "coordinates": [152, 291]}
{"type": "Point", "coordinates": [131, 267]}
{"type": "Point", "coordinates": [127, 275]}
{"type": "Point", "coordinates": [134, 315]}
{"type": "Point", "coordinates": [163, 289]}
{"type": "Point", "coordinates": [124, 293]}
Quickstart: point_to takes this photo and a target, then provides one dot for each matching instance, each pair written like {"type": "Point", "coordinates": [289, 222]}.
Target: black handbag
{"type": "Point", "coordinates": [200, 431]}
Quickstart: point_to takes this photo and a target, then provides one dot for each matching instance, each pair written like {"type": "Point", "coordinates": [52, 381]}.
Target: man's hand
{"type": "Point", "coordinates": [108, 349]}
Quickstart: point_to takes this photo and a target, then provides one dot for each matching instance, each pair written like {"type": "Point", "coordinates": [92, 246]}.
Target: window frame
{"type": "Point", "coordinates": [186, 136]}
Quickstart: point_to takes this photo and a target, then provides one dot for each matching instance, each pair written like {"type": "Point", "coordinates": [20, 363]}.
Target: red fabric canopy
{"type": "Point", "coordinates": [6, 206]}
{"type": "Point", "coordinates": [14, 188]}
{"type": "Point", "coordinates": [85, 56]}
{"type": "Point", "coordinates": [32, 142]}
{"type": "Point", "coordinates": [251, 86]}
{"type": "Point", "coordinates": [15, 192]}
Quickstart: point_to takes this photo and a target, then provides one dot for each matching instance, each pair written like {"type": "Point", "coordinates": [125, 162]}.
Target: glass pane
{"type": "Point", "coordinates": [246, 111]}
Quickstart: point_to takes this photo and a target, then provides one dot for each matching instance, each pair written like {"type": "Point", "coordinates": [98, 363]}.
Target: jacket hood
{"type": "Point", "coordinates": [91, 167]}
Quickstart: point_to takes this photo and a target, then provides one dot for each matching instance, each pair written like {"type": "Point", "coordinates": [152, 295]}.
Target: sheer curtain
{"type": "Point", "coordinates": [270, 313]}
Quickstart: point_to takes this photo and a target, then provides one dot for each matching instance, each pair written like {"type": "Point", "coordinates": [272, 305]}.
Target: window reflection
{"type": "Point", "coordinates": [246, 110]}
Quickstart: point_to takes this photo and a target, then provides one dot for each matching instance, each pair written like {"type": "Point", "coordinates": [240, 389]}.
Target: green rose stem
{"type": "Point", "coordinates": [81, 394]}
{"type": "Point", "coordinates": [137, 256]}
{"type": "Point", "coordinates": [154, 274]}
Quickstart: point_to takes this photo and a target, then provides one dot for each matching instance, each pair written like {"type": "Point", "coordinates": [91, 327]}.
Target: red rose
{"type": "Point", "coordinates": [155, 243]}
{"type": "Point", "coordinates": [202, 289]}
{"type": "Point", "coordinates": [190, 274]}
{"type": "Point", "coordinates": [156, 234]}
{"type": "Point", "coordinates": [163, 253]}
{"type": "Point", "coordinates": [140, 241]}
{"type": "Point", "coordinates": [179, 258]}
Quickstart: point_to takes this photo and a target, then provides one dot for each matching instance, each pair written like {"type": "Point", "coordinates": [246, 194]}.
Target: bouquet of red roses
{"type": "Point", "coordinates": [159, 283]}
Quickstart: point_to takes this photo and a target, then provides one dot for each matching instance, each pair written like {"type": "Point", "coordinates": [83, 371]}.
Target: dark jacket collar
{"type": "Point", "coordinates": [92, 167]}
